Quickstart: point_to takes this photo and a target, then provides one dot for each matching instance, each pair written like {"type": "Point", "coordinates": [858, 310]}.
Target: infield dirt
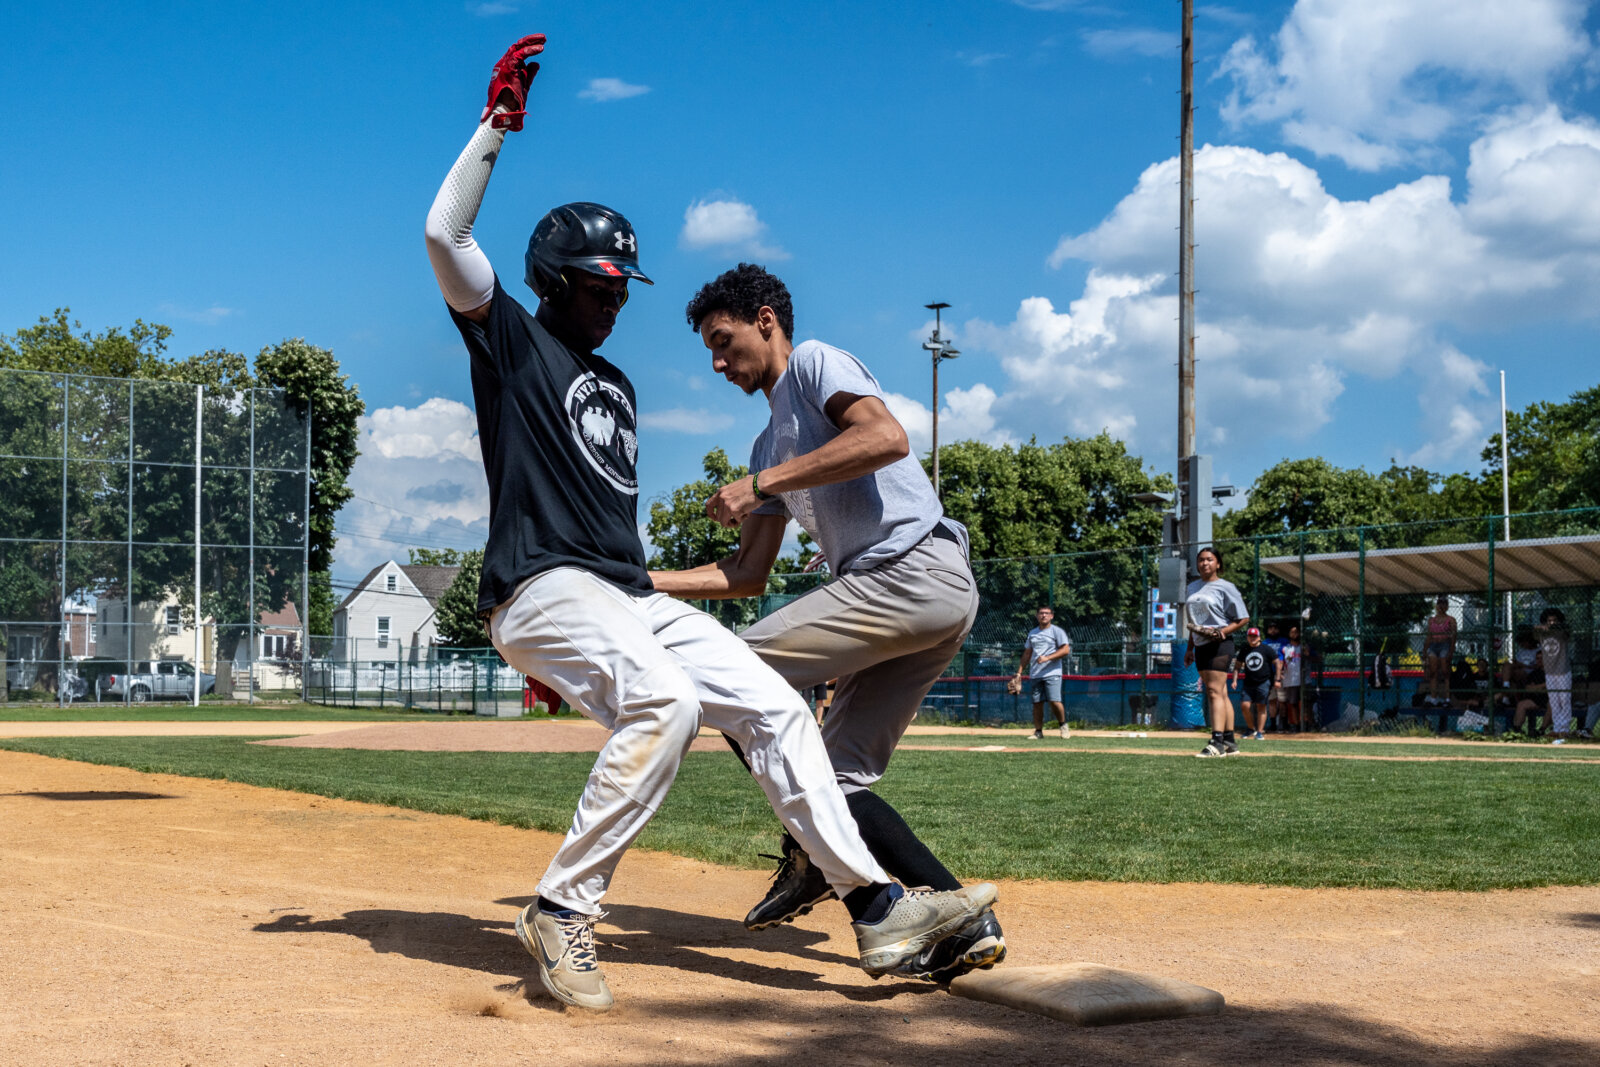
{"type": "Point", "coordinates": [150, 919]}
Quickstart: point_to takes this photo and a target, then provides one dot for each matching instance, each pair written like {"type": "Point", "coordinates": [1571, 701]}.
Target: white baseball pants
{"type": "Point", "coordinates": [651, 669]}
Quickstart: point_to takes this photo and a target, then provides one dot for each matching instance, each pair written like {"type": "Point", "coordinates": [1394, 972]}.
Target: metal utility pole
{"type": "Point", "coordinates": [941, 349]}
{"type": "Point", "coordinates": [1186, 245]}
{"type": "Point", "coordinates": [1505, 461]}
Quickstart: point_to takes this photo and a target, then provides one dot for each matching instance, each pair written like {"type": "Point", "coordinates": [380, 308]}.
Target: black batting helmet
{"type": "Point", "coordinates": [583, 236]}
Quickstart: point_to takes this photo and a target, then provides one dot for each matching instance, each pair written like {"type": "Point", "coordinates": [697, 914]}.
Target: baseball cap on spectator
{"type": "Point", "coordinates": [1252, 632]}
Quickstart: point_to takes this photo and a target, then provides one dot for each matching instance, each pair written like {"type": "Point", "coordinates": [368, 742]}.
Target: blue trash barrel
{"type": "Point", "coordinates": [1188, 700]}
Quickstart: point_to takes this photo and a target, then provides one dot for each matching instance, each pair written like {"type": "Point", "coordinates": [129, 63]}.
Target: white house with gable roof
{"type": "Point", "coordinates": [391, 613]}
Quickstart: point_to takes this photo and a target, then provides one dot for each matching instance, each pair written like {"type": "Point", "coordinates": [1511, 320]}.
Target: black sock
{"type": "Point", "coordinates": [1216, 735]}
{"type": "Point", "coordinates": [893, 845]}
{"type": "Point", "coordinates": [870, 903]}
{"type": "Point", "coordinates": [547, 905]}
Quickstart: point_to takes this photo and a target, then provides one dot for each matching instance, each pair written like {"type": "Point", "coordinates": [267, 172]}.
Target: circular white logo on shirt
{"type": "Point", "coordinates": [603, 424]}
{"type": "Point", "coordinates": [1254, 660]}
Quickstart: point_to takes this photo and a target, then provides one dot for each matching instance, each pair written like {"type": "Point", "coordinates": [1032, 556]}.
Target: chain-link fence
{"type": "Point", "coordinates": [153, 539]}
{"type": "Point", "coordinates": [382, 673]}
{"type": "Point", "coordinates": [1362, 606]}
{"type": "Point", "coordinates": [1356, 602]}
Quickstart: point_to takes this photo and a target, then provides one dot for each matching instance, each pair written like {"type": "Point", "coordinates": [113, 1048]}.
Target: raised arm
{"type": "Point", "coordinates": [465, 277]}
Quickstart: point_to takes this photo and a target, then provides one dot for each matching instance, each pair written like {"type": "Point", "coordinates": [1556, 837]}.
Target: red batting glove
{"type": "Point", "coordinates": [513, 75]}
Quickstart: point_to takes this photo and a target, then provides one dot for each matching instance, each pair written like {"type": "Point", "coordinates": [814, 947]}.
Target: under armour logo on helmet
{"type": "Point", "coordinates": [626, 243]}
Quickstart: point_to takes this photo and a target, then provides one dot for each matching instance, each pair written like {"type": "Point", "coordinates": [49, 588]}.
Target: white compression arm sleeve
{"type": "Point", "coordinates": [464, 274]}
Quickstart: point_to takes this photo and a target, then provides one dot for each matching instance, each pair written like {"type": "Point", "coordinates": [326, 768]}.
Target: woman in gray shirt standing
{"type": "Point", "coordinates": [1215, 611]}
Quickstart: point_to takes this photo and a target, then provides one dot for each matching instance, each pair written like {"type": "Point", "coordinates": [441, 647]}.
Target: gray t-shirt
{"type": "Point", "coordinates": [859, 523]}
{"type": "Point", "coordinates": [1043, 643]}
{"type": "Point", "coordinates": [1215, 603]}
{"type": "Point", "coordinates": [1553, 649]}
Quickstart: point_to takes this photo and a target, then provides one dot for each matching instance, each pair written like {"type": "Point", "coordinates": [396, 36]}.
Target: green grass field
{"type": "Point", "coordinates": [1274, 821]}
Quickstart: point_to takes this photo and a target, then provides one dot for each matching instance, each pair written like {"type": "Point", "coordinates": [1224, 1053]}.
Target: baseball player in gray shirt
{"type": "Point", "coordinates": [834, 459]}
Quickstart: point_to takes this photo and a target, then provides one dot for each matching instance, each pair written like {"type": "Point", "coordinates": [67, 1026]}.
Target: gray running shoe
{"type": "Point", "coordinates": [918, 919]}
{"type": "Point", "coordinates": [564, 946]}
{"type": "Point", "coordinates": [978, 945]}
{"type": "Point", "coordinates": [796, 889]}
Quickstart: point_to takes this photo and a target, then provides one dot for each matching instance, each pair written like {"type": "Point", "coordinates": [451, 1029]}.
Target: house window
{"type": "Point", "coordinates": [273, 646]}
{"type": "Point", "coordinates": [174, 621]}
{"type": "Point", "coordinates": [388, 583]}
{"type": "Point", "coordinates": [91, 633]}
{"type": "Point", "coordinates": [383, 631]}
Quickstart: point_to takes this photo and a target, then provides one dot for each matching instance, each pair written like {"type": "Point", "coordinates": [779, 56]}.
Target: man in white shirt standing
{"type": "Point", "coordinates": [1047, 645]}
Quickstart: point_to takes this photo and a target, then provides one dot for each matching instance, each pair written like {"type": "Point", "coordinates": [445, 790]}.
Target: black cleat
{"type": "Point", "coordinates": [978, 945]}
{"type": "Point", "coordinates": [796, 889]}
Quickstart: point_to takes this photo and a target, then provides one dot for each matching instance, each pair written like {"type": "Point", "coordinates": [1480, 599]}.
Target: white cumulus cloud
{"type": "Point", "coordinates": [964, 415]}
{"type": "Point", "coordinates": [1375, 83]}
{"type": "Point", "coordinates": [1308, 299]}
{"type": "Point", "coordinates": [604, 90]}
{"type": "Point", "coordinates": [419, 482]}
{"type": "Point", "coordinates": [728, 226]}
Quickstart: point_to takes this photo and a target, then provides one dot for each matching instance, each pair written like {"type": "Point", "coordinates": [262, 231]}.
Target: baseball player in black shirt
{"type": "Point", "coordinates": [567, 596]}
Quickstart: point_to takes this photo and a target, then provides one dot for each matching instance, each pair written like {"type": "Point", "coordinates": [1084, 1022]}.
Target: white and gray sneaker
{"type": "Point", "coordinates": [919, 918]}
{"type": "Point", "coordinates": [563, 943]}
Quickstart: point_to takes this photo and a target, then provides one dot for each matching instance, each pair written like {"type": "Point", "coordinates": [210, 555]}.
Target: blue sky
{"type": "Point", "coordinates": [1396, 200]}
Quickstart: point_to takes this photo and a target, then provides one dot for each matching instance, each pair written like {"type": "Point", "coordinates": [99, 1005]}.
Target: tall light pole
{"type": "Point", "coordinates": [1186, 245]}
{"type": "Point", "coordinates": [941, 350]}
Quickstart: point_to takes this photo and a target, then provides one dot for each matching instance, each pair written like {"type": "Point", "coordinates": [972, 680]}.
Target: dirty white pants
{"type": "Point", "coordinates": [651, 669]}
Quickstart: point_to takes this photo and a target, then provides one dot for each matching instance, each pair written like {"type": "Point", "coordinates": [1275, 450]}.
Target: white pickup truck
{"type": "Point", "coordinates": [155, 680]}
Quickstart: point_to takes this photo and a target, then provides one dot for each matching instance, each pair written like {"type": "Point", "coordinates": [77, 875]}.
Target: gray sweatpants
{"type": "Point", "coordinates": [886, 634]}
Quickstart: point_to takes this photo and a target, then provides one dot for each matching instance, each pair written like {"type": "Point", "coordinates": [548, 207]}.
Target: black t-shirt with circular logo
{"type": "Point", "coordinates": [1259, 664]}
{"type": "Point", "coordinates": [560, 444]}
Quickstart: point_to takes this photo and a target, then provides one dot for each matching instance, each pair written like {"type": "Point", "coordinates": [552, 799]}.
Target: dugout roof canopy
{"type": "Point", "coordinates": [1543, 564]}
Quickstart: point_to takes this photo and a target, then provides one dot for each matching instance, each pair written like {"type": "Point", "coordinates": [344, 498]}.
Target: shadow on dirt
{"type": "Point", "coordinates": [652, 936]}
{"type": "Point", "coordinates": [941, 1029]}
{"type": "Point", "coordinates": [1588, 919]}
{"type": "Point", "coordinates": [896, 1021]}
{"type": "Point", "coordinates": [96, 794]}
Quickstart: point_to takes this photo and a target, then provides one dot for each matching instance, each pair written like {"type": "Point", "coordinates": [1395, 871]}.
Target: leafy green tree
{"type": "Point", "coordinates": [1034, 501]}
{"type": "Point", "coordinates": [53, 346]}
{"type": "Point", "coordinates": [678, 527]}
{"type": "Point", "coordinates": [1555, 461]}
{"type": "Point", "coordinates": [457, 614]}
{"type": "Point", "coordinates": [684, 537]}
{"type": "Point", "coordinates": [233, 504]}
{"type": "Point", "coordinates": [435, 557]}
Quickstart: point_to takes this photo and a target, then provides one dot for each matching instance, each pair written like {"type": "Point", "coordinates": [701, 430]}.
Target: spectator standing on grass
{"type": "Point", "coordinates": [1292, 678]}
{"type": "Point", "coordinates": [1439, 652]}
{"type": "Point", "coordinates": [1042, 652]}
{"type": "Point", "coordinates": [1555, 657]}
{"type": "Point", "coordinates": [1273, 639]}
{"type": "Point", "coordinates": [1262, 670]}
{"type": "Point", "coordinates": [1216, 612]}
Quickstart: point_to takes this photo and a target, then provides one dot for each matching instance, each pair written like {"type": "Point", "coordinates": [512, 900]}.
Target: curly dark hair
{"type": "Point", "coordinates": [742, 292]}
